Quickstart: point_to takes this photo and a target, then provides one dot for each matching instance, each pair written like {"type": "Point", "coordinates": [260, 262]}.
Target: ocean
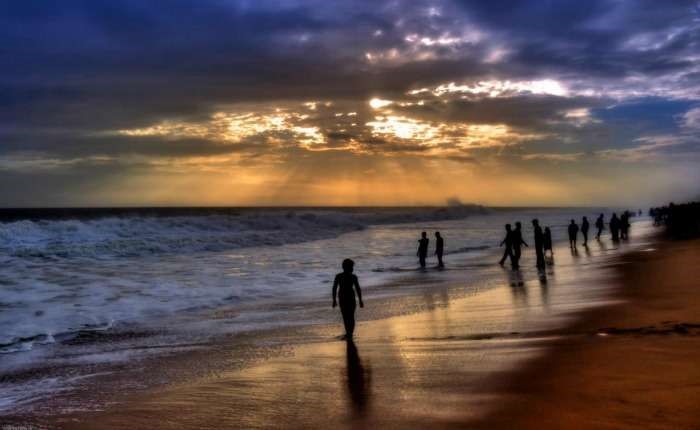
{"type": "Point", "coordinates": [100, 286]}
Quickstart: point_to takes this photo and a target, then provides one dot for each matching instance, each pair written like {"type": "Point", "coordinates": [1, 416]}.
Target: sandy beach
{"type": "Point", "coordinates": [528, 353]}
{"type": "Point", "coordinates": [637, 367]}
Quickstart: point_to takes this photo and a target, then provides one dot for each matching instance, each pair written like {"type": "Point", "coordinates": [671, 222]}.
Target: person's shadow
{"type": "Point", "coordinates": [359, 379]}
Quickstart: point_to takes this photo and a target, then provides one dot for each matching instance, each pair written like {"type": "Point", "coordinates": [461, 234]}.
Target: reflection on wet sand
{"type": "Point", "coordinates": [359, 379]}
{"type": "Point", "coordinates": [517, 288]}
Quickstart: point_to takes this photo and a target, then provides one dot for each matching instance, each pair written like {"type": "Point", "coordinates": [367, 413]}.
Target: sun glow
{"type": "Point", "coordinates": [236, 127]}
{"type": "Point", "coordinates": [376, 103]}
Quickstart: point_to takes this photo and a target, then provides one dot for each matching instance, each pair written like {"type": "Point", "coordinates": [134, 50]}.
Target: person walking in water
{"type": "Point", "coordinates": [539, 243]}
{"type": "Point", "coordinates": [344, 286]}
{"type": "Point", "coordinates": [548, 241]}
{"type": "Point", "coordinates": [439, 248]}
{"type": "Point", "coordinates": [584, 230]}
{"type": "Point", "coordinates": [600, 225]}
{"type": "Point", "coordinates": [517, 243]}
{"type": "Point", "coordinates": [423, 248]}
{"type": "Point", "coordinates": [624, 225]}
{"type": "Point", "coordinates": [615, 227]}
{"type": "Point", "coordinates": [573, 232]}
{"type": "Point", "coordinates": [508, 242]}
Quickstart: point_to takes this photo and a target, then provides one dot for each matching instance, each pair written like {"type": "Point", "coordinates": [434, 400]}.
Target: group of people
{"type": "Point", "coordinates": [423, 243]}
{"type": "Point", "coordinates": [619, 229]}
{"type": "Point", "coordinates": [682, 221]}
{"type": "Point", "coordinates": [346, 285]}
{"type": "Point", "coordinates": [514, 242]}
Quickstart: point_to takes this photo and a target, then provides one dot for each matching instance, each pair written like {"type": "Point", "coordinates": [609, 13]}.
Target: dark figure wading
{"type": "Point", "coordinates": [423, 248]}
{"type": "Point", "coordinates": [517, 244]}
{"type": "Point", "coordinates": [600, 225]}
{"type": "Point", "coordinates": [439, 248]}
{"type": "Point", "coordinates": [573, 232]}
{"type": "Point", "coordinates": [345, 285]}
{"type": "Point", "coordinates": [508, 242]}
{"type": "Point", "coordinates": [539, 243]}
{"type": "Point", "coordinates": [615, 227]}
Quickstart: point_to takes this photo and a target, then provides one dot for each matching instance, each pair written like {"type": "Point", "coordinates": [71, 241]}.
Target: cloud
{"type": "Point", "coordinates": [130, 86]}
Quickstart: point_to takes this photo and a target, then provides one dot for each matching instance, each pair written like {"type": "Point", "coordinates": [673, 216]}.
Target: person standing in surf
{"type": "Point", "coordinates": [439, 248]}
{"type": "Point", "coordinates": [517, 243]}
{"type": "Point", "coordinates": [539, 244]}
{"type": "Point", "coordinates": [600, 225]}
{"type": "Point", "coordinates": [423, 248]}
{"type": "Point", "coordinates": [573, 232]}
{"type": "Point", "coordinates": [585, 225]}
{"type": "Point", "coordinates": [615, 227]}
{"type": "Point", "coordinates": [508, 242]}
{"type": "Point", "coordinates": [548, 241]}
{"type": "Point", "coordinates": [344, 287]}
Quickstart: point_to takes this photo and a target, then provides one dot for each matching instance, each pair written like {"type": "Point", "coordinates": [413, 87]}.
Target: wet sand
{"type": "Point", "coordinates": [530, 352]}
{"type": "Point", "coordinates": [642, 370]}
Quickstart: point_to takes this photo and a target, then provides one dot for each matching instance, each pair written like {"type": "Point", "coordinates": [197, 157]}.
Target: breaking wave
{"type": "Point", "coordinates": [133, 235]}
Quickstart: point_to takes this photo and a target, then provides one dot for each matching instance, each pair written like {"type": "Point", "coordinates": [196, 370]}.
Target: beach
{"type": "Point", "coordinates": [569, 348]}
{"type": "Point", "coordinates": [637, 364]}
{"type": "Point", "coordinates": [592, 345]}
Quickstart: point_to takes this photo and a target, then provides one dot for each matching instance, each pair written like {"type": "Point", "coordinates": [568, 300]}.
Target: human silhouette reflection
{"type": "Point", "coordinates": [517, 288]}
{"type": "Point", "coordinates": [359, 379]}
{"type": "Point", "coordinates": [544, 288]}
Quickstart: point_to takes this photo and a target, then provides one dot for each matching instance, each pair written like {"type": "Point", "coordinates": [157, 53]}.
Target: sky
{"type": "Point", "coordinates": [363, 102]}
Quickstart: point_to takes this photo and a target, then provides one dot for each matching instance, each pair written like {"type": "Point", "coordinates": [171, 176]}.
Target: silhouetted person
{"type": "Point", "coordinates": [600, 225]}
{"type": "Point", "coordinates": [548, 241]}
{"type": "Point", "coordinates": [539, 243]}
{"type": "Point", "coordinates": [359, 379]}
{"type": "Point", "coordinates": [508, 242]}
{"type": "Point", "coordinates": [517, 243]}
{"type": "Point", "coordinates": [584, 230]}
{"type": "Point", "coordinates": [573, 232]}
{"type": "Point", "coordinates": [615, 227]}
{"type": "Point", "coordinates": [347, 283]}
{"type": "Point", "coordinates": [423, 248]}
{"type": "Point", "coordinates": [439, 248]}
{"type": "Point", "coordinates": [624, 225]}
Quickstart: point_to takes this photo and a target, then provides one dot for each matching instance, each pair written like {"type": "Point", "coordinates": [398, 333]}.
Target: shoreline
{"type": "Point", "coordinates": [519, 323]}
{"type": "Point", "coordinates": [435, 367]}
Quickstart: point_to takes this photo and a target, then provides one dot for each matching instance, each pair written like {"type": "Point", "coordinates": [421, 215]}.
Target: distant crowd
{"type": "Point", "coordinates": [682, 221]}
{"type": "Point", "coordinates": [513, 241]}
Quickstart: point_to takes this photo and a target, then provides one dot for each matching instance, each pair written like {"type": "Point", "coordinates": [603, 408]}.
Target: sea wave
{"type": "Point", "coordinates": [133, 235]}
